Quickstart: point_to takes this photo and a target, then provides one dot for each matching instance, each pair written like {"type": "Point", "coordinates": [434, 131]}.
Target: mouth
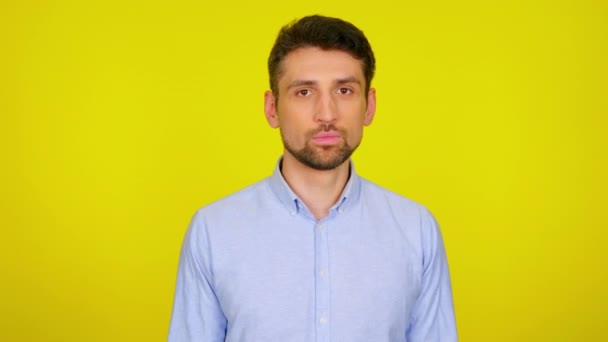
{"type": "Point", "coordinates": [327, 138]}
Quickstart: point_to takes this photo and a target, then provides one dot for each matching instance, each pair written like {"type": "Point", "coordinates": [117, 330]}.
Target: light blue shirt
{"type": "Point", "coordinates": [257, 266]}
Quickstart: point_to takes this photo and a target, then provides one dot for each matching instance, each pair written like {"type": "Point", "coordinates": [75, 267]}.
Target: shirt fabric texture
{"type": "Point", "coordinates": [257, 266]}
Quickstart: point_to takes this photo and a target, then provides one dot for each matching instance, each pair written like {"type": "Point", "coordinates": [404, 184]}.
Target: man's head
{"type": "Point", "coordinates": [325, 33]}
{"type": "Point", "coordinates": [322, 69]}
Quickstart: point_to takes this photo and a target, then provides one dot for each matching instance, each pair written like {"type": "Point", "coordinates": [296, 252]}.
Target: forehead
{"type": "Point", "coordinates": [315, 64]}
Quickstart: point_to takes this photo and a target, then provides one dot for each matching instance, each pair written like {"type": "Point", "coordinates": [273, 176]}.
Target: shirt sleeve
{"type": "Point", "coordinates": [432, 318]}
{"type": "Point", "coordinates": [197, 315]}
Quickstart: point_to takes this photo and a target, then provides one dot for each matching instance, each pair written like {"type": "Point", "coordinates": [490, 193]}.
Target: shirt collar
{"type": "Point", "coordinates": [349, 196]}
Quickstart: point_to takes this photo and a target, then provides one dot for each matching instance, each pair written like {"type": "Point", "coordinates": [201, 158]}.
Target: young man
{"type": "Point", "coordinates": [315, 252]}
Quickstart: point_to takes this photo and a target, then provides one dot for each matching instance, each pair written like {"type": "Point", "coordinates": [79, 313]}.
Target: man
{"type": "Point", "coordinates": [315, 252]}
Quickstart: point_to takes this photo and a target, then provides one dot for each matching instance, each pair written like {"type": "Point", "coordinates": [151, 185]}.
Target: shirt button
{"type": "Point", "coordinates": [322, 273]}
{"type": "Point", "coordinates": [320, 226]}
{"type": "Point", "coordinates": [323, 320]}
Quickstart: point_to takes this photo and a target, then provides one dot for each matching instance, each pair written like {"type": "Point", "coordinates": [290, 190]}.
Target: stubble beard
{"type": "Point", "coordinates": [321, 157]}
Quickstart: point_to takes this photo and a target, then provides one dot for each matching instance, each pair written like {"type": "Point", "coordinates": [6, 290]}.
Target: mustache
{"type": "Point", "coordinates": [326, 128]}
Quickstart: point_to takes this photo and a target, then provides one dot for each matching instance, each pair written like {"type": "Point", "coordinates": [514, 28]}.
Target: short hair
{"type": "Point", "coordinates": [323, 32]}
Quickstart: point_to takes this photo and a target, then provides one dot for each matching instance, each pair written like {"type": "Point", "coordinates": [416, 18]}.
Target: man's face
{"type": "Point", "coordinates": [322, 106]}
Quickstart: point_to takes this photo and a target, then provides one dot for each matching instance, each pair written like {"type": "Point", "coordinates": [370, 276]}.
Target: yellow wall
{"type": "Point", "coordinates": [118, 120]}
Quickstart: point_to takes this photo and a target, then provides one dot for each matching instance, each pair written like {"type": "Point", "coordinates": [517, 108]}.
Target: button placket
{"type": "Point", "coordinates": [322, 285]}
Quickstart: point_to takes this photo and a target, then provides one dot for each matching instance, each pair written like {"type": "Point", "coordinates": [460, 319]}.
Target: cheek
{"type": "Point", "coordinates": [355, 135]}
{"type": "Point", "coordinates": [354, 129]}
{"type": "Point", "coordinates": [292, 114]}
{"type": "Point", "coordinates": [292, 129]}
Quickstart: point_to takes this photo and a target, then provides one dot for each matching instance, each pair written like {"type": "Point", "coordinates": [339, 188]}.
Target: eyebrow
{"type": "Point", "coordinates": [351, 79]}
{"type": "Point", "coordinates": [298, 83]}
{"type": "Point", "coordinates": [339, 81]}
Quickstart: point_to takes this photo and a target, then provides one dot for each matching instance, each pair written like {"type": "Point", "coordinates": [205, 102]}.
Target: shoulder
{"type": "Point", "coordinates": [415, 219]}
{"type": "Point", "coordinates": [235, 204]}
{"type": "Point", "coordinates": [417, 223]}
{"type": "Point", "coordinates": [212, 220]}
{"type": "Point", "coordinates": [391, 200]}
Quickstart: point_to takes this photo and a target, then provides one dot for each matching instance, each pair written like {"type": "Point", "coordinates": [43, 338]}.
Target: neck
{"type": "Point", "coordinates": [318, 189]}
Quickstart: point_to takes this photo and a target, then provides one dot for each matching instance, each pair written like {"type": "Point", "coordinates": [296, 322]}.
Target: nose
{"type": "Point", "coordinates": [326, 110]}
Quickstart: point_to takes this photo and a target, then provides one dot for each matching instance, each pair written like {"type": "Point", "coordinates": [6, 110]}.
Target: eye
{"type": "Point", "coordinates": [344, 91]}
{"type": "Point", "coordinates": [303, 92]}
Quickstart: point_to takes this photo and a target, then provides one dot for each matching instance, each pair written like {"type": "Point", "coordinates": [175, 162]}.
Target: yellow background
{"type": "Point", "coordinates": [119, 119]}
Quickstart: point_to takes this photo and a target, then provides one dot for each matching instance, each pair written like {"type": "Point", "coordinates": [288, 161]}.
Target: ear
{"type": "Point", "coordinates": [371, 107]}
{"type": "Point", "coordinates": [270, 109]}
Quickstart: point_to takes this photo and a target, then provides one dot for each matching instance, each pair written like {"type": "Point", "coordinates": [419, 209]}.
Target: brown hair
{"type": "Point", "coordinates": [323, 32]}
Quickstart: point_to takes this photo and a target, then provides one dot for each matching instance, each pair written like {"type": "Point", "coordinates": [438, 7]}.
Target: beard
{"type": "Point", "coordinates": [321, 157]}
